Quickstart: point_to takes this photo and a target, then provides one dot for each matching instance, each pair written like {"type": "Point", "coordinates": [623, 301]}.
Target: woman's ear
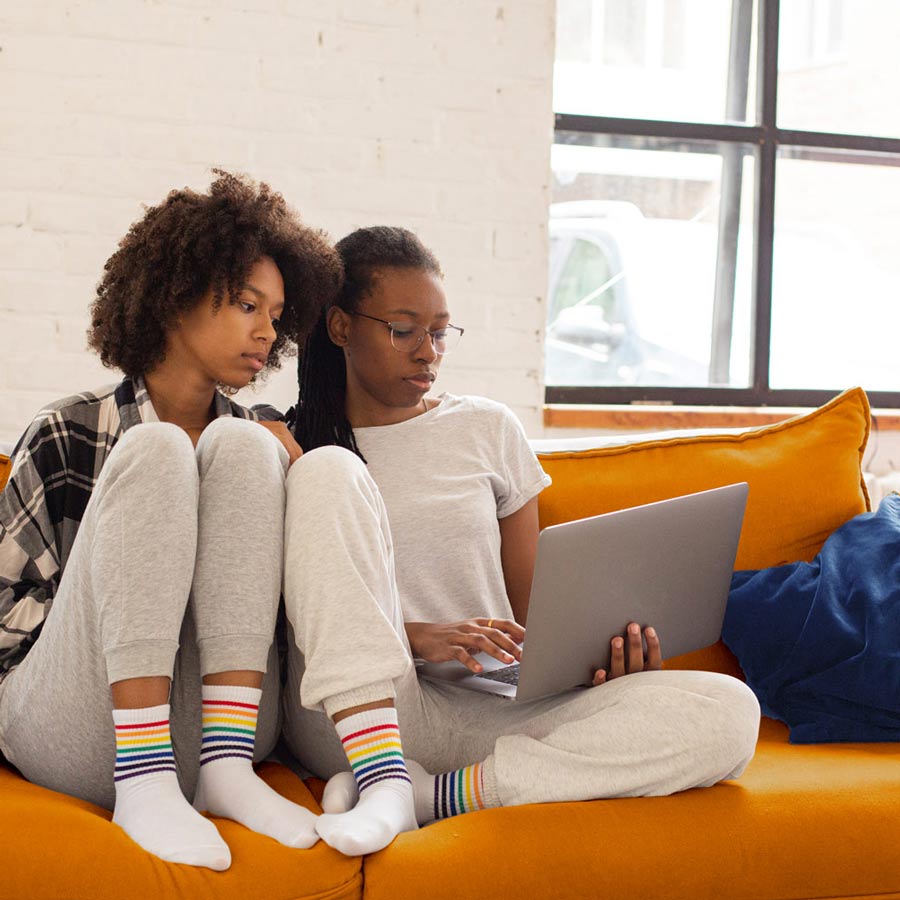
{"type": "Point", "coordinates": [338, 323]}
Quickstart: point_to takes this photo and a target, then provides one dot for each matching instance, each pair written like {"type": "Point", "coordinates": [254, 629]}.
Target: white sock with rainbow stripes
{"type": "Point", "coordinates": [371, 740]}
{"type": "Point", "coordinates": [150, 806]}
{"type": "Point", "coordinates": [449, 794]}
{"type": "Point", "coordinates": [227, 785]}
{"type": "Point", "coordinates": [437, 796]}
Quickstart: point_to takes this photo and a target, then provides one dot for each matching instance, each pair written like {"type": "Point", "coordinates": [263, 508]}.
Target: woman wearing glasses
{"type": "Point", "coordinates": [415, 536]}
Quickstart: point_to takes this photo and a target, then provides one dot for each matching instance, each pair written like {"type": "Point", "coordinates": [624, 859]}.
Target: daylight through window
{"type": "Point", "coordinates": [726, 183]}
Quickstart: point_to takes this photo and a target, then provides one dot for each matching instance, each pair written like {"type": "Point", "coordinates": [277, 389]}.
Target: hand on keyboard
{"type": "Point", "coordinates": [499, 638]}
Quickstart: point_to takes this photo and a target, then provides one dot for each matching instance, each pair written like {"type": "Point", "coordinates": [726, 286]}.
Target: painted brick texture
{"type": "Point", "coordinates": [432, 114]}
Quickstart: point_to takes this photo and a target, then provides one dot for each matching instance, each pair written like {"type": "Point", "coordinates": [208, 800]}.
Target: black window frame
{"type": "Point", "coordinates": [768, 138]}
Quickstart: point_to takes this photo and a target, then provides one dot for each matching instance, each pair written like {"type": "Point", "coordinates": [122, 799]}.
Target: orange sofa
{"type": "Point", "coordinates": [814, 821]}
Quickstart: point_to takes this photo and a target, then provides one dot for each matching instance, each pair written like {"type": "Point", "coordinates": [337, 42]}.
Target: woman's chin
{"type": "Point", "coordinates": [233, 383]}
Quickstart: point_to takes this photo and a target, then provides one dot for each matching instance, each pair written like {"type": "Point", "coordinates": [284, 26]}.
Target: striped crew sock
{"type": "Point", "coordinates": [437, 796]}
{"type": "Point", "coordinates": [451, 794]}
{"type": "Point", "coordinates": [372, 744]}
{"type": "Point", "coordinates": [227, 785]}
{"type": "Point", "coordinates": [150, 806]}
{"type": "Point", "coordinates": [229, 723]}
{"type": "Point", "coordinates": [143, 742]}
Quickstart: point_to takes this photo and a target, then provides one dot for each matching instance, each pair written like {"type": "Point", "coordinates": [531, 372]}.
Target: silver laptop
{"type": "Point", "coordinates": [665, 564]}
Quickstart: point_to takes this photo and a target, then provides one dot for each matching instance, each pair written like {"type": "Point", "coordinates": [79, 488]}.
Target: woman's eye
{"type": "Point", "coordinates": [439, 335]}
{"type": "Point", "coordinates": [276, 323]}
{"type": "Point", "coordinates": [402, 331]}
{"type": "Point", "coordinates": [247, 307]}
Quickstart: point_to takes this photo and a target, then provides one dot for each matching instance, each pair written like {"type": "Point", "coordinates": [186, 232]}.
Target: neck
{"type": "Point", "coordinates": [362, 414]}
{"type": "Point", "coordinates": [179, 398]}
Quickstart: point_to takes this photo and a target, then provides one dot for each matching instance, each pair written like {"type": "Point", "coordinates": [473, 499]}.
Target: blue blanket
{"type": "Point", "coordinates": [819, 642]}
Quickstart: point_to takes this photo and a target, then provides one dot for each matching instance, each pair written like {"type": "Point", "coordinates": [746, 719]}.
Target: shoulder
{"type": "Point", "coordinates": [478, 408]}
{"type": "Point", "coordinates": [493, 420]}
{"type": "Point", "coordinates": [84, 410]}
{"type": "Point", "coordinates": [84, 418]}
{"type": "Point", "coordinates": [80, 405]}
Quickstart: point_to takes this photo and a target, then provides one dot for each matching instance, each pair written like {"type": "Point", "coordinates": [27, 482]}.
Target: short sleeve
{"type": "Point", "coordinates": [523, 477]}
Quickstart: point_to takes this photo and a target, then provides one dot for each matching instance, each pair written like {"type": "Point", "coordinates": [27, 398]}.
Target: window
{"type": "Point", "coordinates": [726, 188]}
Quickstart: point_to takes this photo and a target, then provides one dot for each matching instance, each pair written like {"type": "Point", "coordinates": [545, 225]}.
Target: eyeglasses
{"type": "Point", "coordinates": [407, 337]}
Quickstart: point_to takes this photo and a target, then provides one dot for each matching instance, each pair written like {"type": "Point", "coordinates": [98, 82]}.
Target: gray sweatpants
{"type": "Point", "coordinates": [650, 733]}
{"type": "Point", "coordinates": [175, 571]}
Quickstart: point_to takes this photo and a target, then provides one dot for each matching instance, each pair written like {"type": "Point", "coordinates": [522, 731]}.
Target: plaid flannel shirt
{"type": "Point", "coordinates": [55, 466]}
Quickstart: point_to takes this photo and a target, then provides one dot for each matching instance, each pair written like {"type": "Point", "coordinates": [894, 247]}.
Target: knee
{"type": "Point", "coordinates": [749, 712]}
{"type": "Point", "coordinates": [155, 438]}
{"type": "Point", "coordinates": [741, 713]}
{"type": "Point", "coordinates": [329, 478]}
{"type": "Point", "coordinates": [156, 449]}
{"type": "Point", "coordinates": [328, 468]}
{"type": "Point", "coordinates": [240, 441]}
{"type": "Point", "coordinates": [745, 707]}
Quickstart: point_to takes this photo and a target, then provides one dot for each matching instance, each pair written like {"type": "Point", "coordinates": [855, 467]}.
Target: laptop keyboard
{"type": "Point", "coordinates": [506, 675]}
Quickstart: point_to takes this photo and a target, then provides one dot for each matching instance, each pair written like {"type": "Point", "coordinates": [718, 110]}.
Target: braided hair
{"type": "Point", "coordinates": [320, 417]}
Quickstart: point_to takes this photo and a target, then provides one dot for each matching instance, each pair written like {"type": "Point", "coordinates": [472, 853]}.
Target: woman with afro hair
{"type": "Point", "coordinates": [141, 532]}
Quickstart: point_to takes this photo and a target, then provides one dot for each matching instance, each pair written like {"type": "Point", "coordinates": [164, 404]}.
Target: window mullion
{"type": "Point", "coordinates": [767, 95]}
{"type": "Point", "coordinates": [730, 196]}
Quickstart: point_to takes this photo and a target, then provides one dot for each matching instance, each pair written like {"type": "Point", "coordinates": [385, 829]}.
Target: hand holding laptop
{"type": "Point", "coordinates": [627, 654]}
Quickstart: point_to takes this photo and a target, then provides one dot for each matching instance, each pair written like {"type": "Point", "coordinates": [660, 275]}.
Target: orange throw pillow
{"type": "Point", "coordinates": [805, 477]}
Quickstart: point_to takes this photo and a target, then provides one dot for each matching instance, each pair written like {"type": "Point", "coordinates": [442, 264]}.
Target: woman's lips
{"type": "Point", "coordinates": [423, 382]}
{"type": "Point", "coordinates": [257, 362]}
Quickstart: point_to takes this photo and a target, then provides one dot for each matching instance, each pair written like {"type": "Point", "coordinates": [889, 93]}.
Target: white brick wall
{"type": "Point", "coordinates": [433, 114]}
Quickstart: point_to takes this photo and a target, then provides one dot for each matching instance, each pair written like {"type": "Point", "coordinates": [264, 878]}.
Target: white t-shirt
{"type": "Point", "coordinates": [447, 476]}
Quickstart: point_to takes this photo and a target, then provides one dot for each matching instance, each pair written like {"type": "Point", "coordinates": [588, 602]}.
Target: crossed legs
{"type": "Point", "coordinates": [646, 734]}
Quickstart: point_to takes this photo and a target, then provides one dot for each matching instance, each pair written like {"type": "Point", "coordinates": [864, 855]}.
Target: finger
{"type": "Point", "coordinates": [617, 658]}
{"type": "Point", "coordinates": [507, 626]}
{"type": "Point", "coordinates": [503, 632]}
{"type": "Point", "coordinates": [290, 444]}
{"type": "Point", "coordinates": [599, 677]}
{"type": "Point", "coordinates": [490, 644]}
{"type": "Point", "coordinates": [635, 648]}
{"type": "Point", "coordinates": [501, 640]}
{"type": "Point", "coordinates": [654, 654]}
{"type": "Point", "coordinates": [281, 433]}
{"type": "Point", "coordinates": [467, 660]}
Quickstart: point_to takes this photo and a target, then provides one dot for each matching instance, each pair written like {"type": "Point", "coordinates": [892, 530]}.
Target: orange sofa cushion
{"type": "Point", "coordinates": [57, 846]}
{"type": "Point", "coordinates": [801, 822]}
{"type": "Point", "coordinates": [4, 470]}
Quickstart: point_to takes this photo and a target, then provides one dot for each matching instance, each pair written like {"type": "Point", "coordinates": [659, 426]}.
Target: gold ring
{"type": "Point", "coordinates": [490, 623]}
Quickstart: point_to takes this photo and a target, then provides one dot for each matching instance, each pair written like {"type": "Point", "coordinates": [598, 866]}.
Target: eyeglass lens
{"type": "Point", "coordinates": [406, 339]}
